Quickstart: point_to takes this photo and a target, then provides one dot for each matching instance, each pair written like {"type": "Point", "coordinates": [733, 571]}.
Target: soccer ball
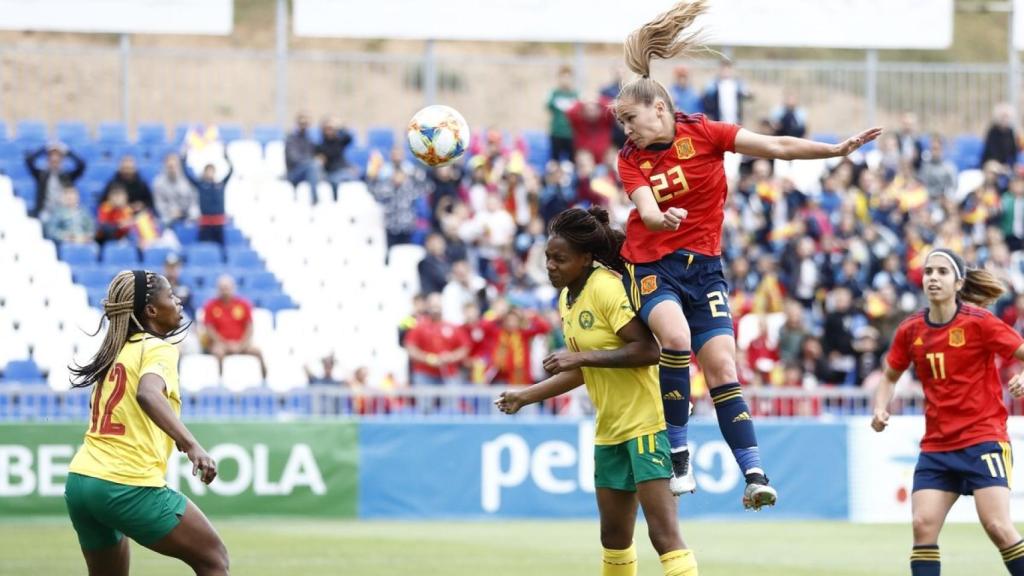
{"type": "Point", "coordinates": [438, 135]}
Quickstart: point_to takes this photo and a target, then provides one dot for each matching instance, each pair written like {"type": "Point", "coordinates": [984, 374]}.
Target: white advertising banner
{"type": "Point", "coordinates": [920, 24]}
{"type": "Point", "coordinates": [206, 17]}
{"type": "Point", "coordinates": [881, 468]}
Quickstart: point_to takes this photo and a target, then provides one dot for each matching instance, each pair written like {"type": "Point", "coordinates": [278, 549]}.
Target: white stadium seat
{"type": "Point", "coordinates": [241, 372]}
{"type": "Point", "coordinates": [198, 371]}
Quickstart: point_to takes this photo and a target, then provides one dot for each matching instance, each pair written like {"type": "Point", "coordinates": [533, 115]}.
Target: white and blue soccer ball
{"type": "Point", "coordinates": [438, 135]}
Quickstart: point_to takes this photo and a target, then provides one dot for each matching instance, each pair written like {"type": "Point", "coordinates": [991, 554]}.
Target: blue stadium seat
{"type": "Point", "coordinates": [23, 371]}
{"type": "Point", "coordinates": [79, 254]}
{"type": "Point", "coordinates": [264, 134]}
{"type": "Point", "coordinates": [72, 133]}
{"type": "Point", "coordinates": [201, 296]}
{"type": "Point", "coordinates": [148, 170]}
{"type": "Point", "coordinates": [31, 130]}
{"type": "Point", "coordinates": [230, 132]}
{"type": "Point", "coordinates": [74, 404]}
{"type": "Point", "coordinates": [358, 156]}
{"type": "Point", "coordinates": [234, 237]}
{"type": "Point", "coordinates": [3, 131]}
{"type": "Point", "coordinates": [37, 404]}
{"type": "Point", "coordinates": [187, 234]}
{"type": "Point", "coordinates": [261, 281]}
{"type": "Point", "coordinates": [10, 150]}
{"type": "Point", "coordinates": [96, 296]}
{"type": "Point", "coordinates": [102, 170]}
{"type": "Point", "coordinates": [112, 133]}
{"type": "Point", "coordinates": [380, 138]}
{"type": "Point", "coordinates": [244, 257]}
{"type": "Point", "coordinates": [204, 254]}
{"type": "Point", "coordinates": [93, 277]}
{"type": "Point", "coordinates": [120, 254]}
{"type": "Point", "coordinates": [276, 301]}
{"type": "Point", "coordinates": [179, 133]}
{"type": "Point", "coordinates": [826, 137]}
{"type": "Point", "coordinates": [259, 403]}
{"type": "Point", "coordinates": [191, 277]}
{"type": "Point", "coordinates": [151, 133]}
{"type": "Point", "coordinates": [153, 258]}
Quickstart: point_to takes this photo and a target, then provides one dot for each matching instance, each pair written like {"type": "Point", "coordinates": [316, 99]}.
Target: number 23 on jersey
{"type": "Point", "coordinates": [673, 179]}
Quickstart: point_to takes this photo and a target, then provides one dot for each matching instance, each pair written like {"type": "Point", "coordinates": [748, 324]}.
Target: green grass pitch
{"type": "Point", "coordinates": [269, 546]}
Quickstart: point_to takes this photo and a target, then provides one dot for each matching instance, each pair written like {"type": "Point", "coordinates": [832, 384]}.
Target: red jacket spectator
{"type": "Point", "coordinates": [436, 348]}
{"type": "Point", "coordinates": [592, 123]}
{"type": "Point", "coordinates": [512, 350]}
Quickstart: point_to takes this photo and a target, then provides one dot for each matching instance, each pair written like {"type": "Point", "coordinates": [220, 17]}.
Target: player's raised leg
{"type": "Point", "coordinates": [110, 561]}
{"type": "Point", "coordinates": [669, 325]}
{"type": "Point", "coordinates": [717, 357]}
{"type": "Point", "coordinates": [617, 509]}
{"type": "Point", "coordinates": [930, 508]}
{"type": "Point", "coordinates": [195, 542]}
{"type": "Point", "coordinates": [993, 504]}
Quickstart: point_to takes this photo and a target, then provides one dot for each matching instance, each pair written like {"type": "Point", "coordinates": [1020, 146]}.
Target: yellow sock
{"type": "Point", "coordinates": [679, 563]}
{"type": "Point", "coordinates": [619, 562]}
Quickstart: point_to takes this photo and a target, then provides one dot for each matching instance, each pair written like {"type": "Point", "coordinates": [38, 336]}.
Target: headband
{"type": "Point", "coordinates": [140, 293]}
{"type": "Point", "coordinates": [959, 273]}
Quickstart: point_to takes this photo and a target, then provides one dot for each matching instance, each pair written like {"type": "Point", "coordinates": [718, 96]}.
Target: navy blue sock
{"type": "Point", "coordinates": [1013, 557]}
{"type": "Point", "coordinates": [924, 561]}
{"type": "Point", "coordinates": [674, 375]}
{"type": "Point", "coordinates": [736, 426]}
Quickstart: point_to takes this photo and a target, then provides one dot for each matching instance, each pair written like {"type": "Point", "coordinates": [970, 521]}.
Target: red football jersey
{"type": "Point", "coordinates": [230, 320]}
{"type": "Point", "coordinates": [955, 363]}
{"type": "Point", "coordinates": [690, 175]}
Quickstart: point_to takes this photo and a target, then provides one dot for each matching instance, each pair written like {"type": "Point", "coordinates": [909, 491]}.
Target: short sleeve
{"type": "Point", "coordinates": [722, 134]}
{"type": "Point", "coordinates": [631, 176]}
{"type": "Point", "coordinates": [1000, 336]}
{"type": "Point", "coordinates": [614, 304]}
{"type": "Point", "coordinates": [160, 359]}
{"type": "Point", "coordinates": [899, 357]}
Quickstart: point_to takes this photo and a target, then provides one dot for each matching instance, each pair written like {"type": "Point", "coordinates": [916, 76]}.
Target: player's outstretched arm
{"type": "Point", "coordinates": [640, 349]}
{"type": "Point", "coordinates": [650, 213]}
{"type": "Point", "coordinates": [790, 148]}
{"type": "Point", "coordinates": [153, 402]}
{"type": "Point", "coordinates": [883, 395]}
{"type": "Point", "coordinates": [511, 401]}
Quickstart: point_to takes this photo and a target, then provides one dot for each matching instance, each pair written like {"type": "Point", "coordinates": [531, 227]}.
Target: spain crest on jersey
{"type": "Point", "coordinates": [957, 338]}
{"type": "Point", "coordinates": [684, 148]}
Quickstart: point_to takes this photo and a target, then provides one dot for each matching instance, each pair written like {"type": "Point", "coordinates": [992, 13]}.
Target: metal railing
{"type": "Point", "coordinates": [92, 83]}
{"type": "Point", "coordinates": [38, 403]}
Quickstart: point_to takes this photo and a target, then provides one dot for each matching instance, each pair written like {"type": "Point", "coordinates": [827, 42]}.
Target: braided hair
{"type": "Point", "coordinates": [590, 232]}
{"type": "Point", "coordinates": [127, 297]}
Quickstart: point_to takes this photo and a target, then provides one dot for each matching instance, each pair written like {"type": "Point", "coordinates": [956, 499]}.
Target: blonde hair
{"type": "Point", "coordinates": [119, 307]}
{"type": "Point", "coordinates": [981, 287]}
{"type": "Point", "coordinates": [659, 38]}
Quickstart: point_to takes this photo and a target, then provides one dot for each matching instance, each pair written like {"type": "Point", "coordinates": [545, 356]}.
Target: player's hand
{"type": "Point", "coordinates": [202, 465]}
{"type": "Point", "coordinates": [509, 402]}
{"type": "Point", "coordinates": [671, 218]}
{"type": "Point", "coordinates": [880, 421]}
{"type": "Point", "coordinates": [561, 362]}
{"type": "Point", "coordinates": [1017, 385]}
{"type": "Point", "coordinates": [851, 144]}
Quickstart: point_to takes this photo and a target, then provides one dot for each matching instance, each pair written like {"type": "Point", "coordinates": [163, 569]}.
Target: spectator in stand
{"type": "Point", "coordinates": [300, 156]}
{"type": "Point", "coordinates": [793, 332]}
{"type": "Point", "coordinates": [212, 216]}
{"type": "Point", "coordinates": [325, 374]}
{"type": "Point", "coordinates": [492, 230]}
{"type": "Point", "coordinates": [176, 199]}
{"type": "Point", "coordinates": [1013, 215]}
{"type": "Point", "coordinates": [227, 320]}
{"type": "Point", "coordinates": [434, 267]}
{"type": "Point", "coordinates": [115, 218]}
{"type": "Point", "coordinates": [842, 326]}
{"type": "Point", "coordinates": [172, 271]}
{"type": "Point", "coordinates": [557, 193]}
{"type": "Point", "coordinates": [480, 334]}
{"type": "Point", "coordinates": [445, 191]}
{"type": "Point", "coordinates": [513, 345]}
{"type": "Point", "coordinates": [909, 140]}
{"type": "Point", "coordinates": [139, 195]}
{"type": "Point", "coordinates": [724, 96]}
{"type": "Point", "coordinates": [789, 119]}
{"type": "Point", "coordinates": [938, 175]}
{"type": "Point", "coordinates": [397, 186]}
{"type": "Point", "coordinates": [464, 288]}
{"type": "Point", "coordinates": [591, 120]}
{"type": "Point", "coordinates": [1001, 143]}
{"type": "Point", "coordinates": [436, 348]}
{"type": "Point", "coordinates": [561, 99]}
{"type": "Point", "coordinates": [51, 180]}
{"type": "Point", "coordinates": [685, 98]}
{"type": "Point", "coordinates": [331, 154]}
{"type": "Point", "coordinates": [68, 222]}
{"type": "Point", "coordinates": [419, 308]}
{"type": "Point", "coordinates": [610, 91]}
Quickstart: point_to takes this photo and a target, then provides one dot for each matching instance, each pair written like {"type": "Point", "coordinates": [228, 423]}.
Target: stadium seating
{"type": "Point", "coordinates": [241, 373]}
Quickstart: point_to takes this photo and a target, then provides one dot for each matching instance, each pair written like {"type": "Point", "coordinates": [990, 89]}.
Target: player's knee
{"type": "Point", "coordinates": [926, 528]}
{"type": "Point", "coordinates": [675, 340]}
{"type": "Point", "coordinates": [1001, 531]}
{"type": "Point", "coordinates": [616, 538]}
{"type": "Point", "coordinates": [720, 371]}
{"type": "Point", "coordinates": [664, 539]}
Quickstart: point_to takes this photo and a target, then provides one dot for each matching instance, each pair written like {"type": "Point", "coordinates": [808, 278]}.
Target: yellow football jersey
{"type": "Point", "coordinates": [628, 400]}
{"type": "Point", "coordinates": [122, 444]}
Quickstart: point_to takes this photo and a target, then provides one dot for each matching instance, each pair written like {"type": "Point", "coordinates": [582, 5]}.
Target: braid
{"type": "Point", "coordinates": [119, 309]}
{"type": "Point", "coordinates": [590, 231]}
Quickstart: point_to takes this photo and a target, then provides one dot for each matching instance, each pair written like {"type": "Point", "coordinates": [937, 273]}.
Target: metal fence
{"type": "Point", "coordinates": [38, 403]}
{"type": "Point", "coordinates": [55, 82]}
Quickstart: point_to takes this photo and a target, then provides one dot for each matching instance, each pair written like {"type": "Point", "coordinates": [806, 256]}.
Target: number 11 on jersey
{"type": "Point", "coordinates": [937, 360]}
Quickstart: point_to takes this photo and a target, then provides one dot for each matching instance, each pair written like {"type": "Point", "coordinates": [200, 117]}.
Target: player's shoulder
{"type": "Point", "coordinates": [606, 280]}
{"type": "Point", "coordinates": [915, 319]}
{"type": "Point", "coordinates": [690, 119]}
{"type": "Point", "coordinates": [158, 347]}
{"type": "Point", "coordinates": [970, 313]}
{"type": "Point", "coordinates": [629, 151]}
